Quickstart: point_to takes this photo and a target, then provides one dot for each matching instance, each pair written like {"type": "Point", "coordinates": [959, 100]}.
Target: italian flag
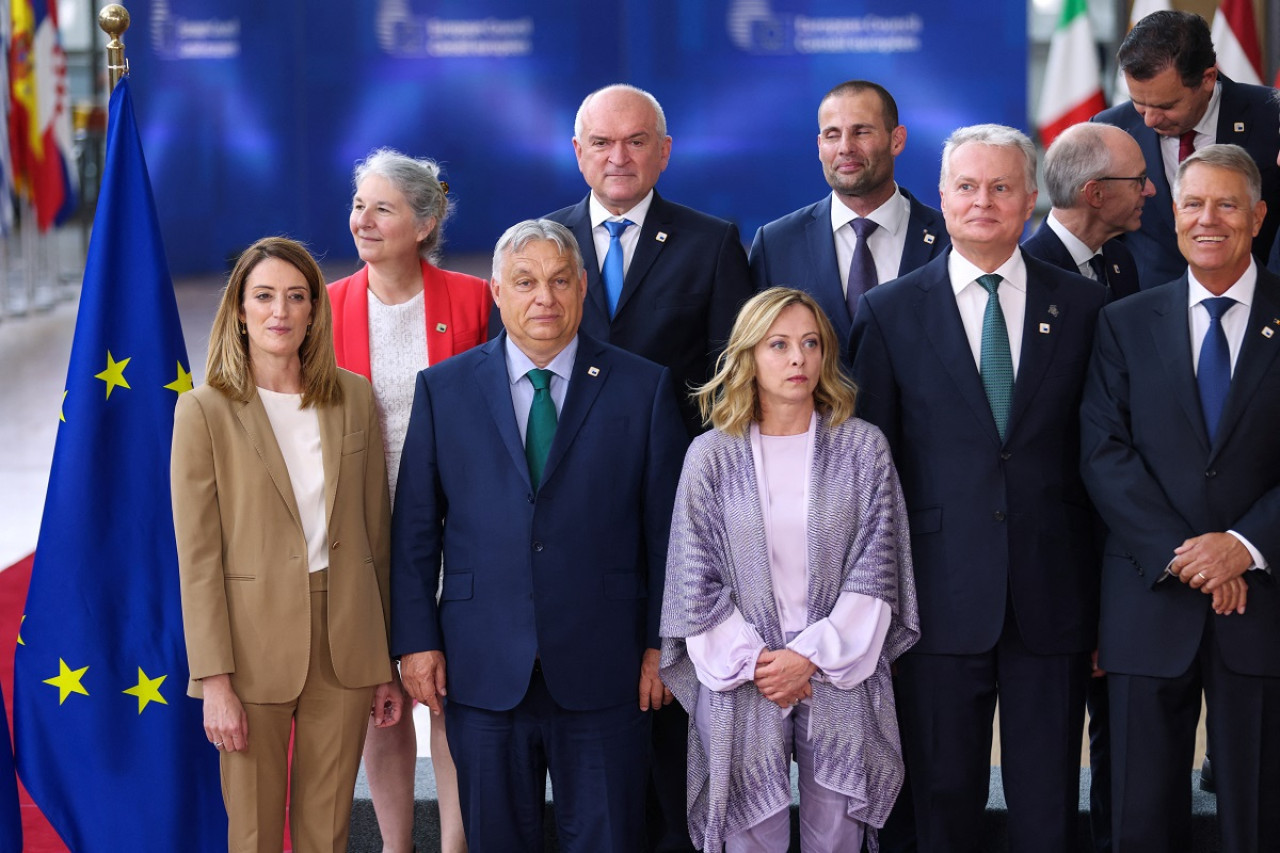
{"type": "Point", "coordinates": [1235, 39]}
{"type": "Point", "coordinates": [1072, 90]}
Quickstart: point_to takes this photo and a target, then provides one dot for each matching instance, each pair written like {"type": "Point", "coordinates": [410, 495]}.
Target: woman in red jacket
{"type": "Point", "coordinates": [398, 314]}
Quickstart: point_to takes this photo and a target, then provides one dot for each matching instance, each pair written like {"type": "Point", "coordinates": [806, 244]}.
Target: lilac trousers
{"type": "Point", "coordinates": [825, 827]}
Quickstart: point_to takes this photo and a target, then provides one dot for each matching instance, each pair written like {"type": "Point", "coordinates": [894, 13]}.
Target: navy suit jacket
{"type": "Point", "coordinates": [1248, 116]}
{"type": "Point", "coordinates": [799, 251]}
{"type": "Point", "coordinates": [991, 522]}
{"type": "Point", "coordinates": [571, 573]}
{"type": "Point", "coordinates": [1122, 271]}
{"type": "Point", "coordinates": [681, 294]}
{"type": "Point", "coordinates": [1157, 480]}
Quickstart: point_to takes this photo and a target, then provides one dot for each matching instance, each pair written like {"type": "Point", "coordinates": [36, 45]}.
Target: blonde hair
{"type": "Point", "coordinates": [229, 367]}
{"type": "Point", "coordinates": [730, 401]}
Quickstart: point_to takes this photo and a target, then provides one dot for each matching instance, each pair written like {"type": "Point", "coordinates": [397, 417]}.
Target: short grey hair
{"type": "Point", "coordinates": [522, 234]}
{"type": "Point", "coordinates": [661, 117]}
{"type": "Point", "coordinates": [1230, 157]}
{"type": "Point", "coordinates": [418, 179]}
{"type": "Point", "coordinates": [995, 135]}
{"type": "Point", "coordinates": [1078, 156]}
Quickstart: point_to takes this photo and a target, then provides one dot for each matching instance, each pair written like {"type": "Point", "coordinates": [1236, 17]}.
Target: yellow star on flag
{"type": "Point", "coordinates": [183, 383]}
{"type": "Point", "coordinates": [21, 642]}
{"type": "Point", "coordinates": [68, 681]}
{"type": "Point", "coordinates": [114, 374]}
{"type": "Point", "coordinates": [147, 690]}
{"type": "Point", "coordinates": [61, 415]}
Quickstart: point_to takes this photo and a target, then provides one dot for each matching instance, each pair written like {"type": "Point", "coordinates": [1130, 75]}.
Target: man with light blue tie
{"type": "Point", "coordinates": [1180, 456]}
{"type": "Point", "coordinates": [538, 474]}
{"type": "Point", "coordinates": [663, 280]}
{"type": "Point", "coordinates": [868, 230]}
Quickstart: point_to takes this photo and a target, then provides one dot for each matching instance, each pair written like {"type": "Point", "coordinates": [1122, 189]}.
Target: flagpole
{"type": "Point", "coordinates": [114, 20]}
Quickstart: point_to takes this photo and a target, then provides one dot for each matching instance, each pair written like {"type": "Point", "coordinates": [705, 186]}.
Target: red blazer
{"type": "Point", "coordinates": [457, 315]}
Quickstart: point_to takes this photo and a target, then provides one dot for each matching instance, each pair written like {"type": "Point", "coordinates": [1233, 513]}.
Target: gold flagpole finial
{"type": "Point", "coordinates": [114, 20]}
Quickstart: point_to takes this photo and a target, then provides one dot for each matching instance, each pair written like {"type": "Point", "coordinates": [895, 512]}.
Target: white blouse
{"type": "Point", "coordinates": [297, 432]}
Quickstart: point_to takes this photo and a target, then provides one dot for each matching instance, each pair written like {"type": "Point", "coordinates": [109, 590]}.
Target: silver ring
{"type": "Point", "coordinates": [219, 743]}
{"type": "Point", "coordinates": [1201, 576]}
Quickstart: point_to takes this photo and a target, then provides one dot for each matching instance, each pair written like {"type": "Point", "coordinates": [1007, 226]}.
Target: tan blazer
{"type": "Point", "coordinates": [242, 554]}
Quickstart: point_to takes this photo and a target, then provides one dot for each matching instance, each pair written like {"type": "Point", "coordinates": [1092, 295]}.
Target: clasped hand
{"type": "Point", "coordinates": [1214, 563]}
{"type": "Point", "coordinates": [783, 676]}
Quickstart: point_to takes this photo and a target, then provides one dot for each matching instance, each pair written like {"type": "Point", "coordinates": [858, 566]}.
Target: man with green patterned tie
{"type": "Point", "coordinates": [972, 366]}
{"type": "Point", "coordinates": [539, 472]}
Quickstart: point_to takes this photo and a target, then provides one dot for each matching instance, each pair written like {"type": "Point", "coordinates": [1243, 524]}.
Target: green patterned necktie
{"type": "Point", "coordinates": [541, 427]}
{"type": "Point", "coordinates": [996, 365]}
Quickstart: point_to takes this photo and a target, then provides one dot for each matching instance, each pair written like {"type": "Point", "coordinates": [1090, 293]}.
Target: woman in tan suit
{"type": "Point", "coordinates": [281, 511]}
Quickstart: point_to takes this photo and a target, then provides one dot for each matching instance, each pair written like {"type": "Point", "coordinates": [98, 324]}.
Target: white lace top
{"type": "Point", "coordinates": [397, 351]}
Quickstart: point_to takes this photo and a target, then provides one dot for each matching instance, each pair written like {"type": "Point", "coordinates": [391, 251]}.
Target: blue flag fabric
{"type": "Point", "coordinates": [107, 742]}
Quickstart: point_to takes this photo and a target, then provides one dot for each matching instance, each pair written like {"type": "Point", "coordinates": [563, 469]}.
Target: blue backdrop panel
{"type": "Point", "coordinates": [253, 114]}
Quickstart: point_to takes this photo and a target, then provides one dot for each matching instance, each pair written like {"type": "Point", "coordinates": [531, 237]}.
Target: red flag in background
{"type": "Point", "coordinates": [1235, 39]}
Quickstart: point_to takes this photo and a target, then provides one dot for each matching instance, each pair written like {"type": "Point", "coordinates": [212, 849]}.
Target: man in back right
{"type": "Point", "coordinates": [1182, 103]}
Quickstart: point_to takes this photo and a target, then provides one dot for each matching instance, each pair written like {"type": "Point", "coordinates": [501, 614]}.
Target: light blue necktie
{"type": "Point", "coordinates": [1213, 374]}
{"type": "Point", "coordinates": [612, 271]}
{"type": "Point", "coordinates": [996, 362]}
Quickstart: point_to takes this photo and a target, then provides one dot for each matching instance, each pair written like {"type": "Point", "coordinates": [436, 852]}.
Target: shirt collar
{"type": "Point", "coordinates": [1080, 253]}
{"type": "Point", "coordinates": [1208, 124]}
{"type": "Point", "coordinates": [1242, 291]}
{"type": "Point", "coordinates": [518, 364]}
{"type": "Point", "coordinates": [636, 214]}
{"type": "Point", "coordinates": [963, 273]}
{"type": "Point", "coordinates": [891, 216]}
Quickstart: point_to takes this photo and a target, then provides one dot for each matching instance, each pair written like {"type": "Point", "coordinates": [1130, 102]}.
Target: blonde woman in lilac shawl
{"type": "Point", "coordinates": [789, 593]}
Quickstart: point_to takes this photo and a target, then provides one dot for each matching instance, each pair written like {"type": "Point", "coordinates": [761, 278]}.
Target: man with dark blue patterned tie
{"type": "Point", "coordinates": [1180, 456]}
{"type": "Point", "coordinates": [538, 474]}
{"type": "Point", "coordinates": [972, 367]}
{"type": "Point", "coordinates": [869, 230]}
{"type": "Point", "coordinates": [663, 280]}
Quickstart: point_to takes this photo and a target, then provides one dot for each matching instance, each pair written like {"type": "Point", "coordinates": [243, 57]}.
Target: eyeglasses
{"type": "Point", "coordinates": [1140, 179]}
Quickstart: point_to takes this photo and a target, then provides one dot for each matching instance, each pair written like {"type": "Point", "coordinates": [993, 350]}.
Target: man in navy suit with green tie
{"type": "Point", "coordinates": [539, 472]}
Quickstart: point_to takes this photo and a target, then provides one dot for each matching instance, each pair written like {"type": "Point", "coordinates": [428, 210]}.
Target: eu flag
{"type": "Point", "coordinates": [106, 740]}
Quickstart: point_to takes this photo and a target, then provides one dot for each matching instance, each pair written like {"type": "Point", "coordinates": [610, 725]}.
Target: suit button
{"type": "Point", "coordinates": [537, 546]}
{"type": "Point", "coordinates": [1005, 455]}
{"type": "Point", "coordinates": [998, 515]}
{"type": "Point", "coordinates": [1211, 473]}
{"type": "Point", "coordinates": [529, 497]}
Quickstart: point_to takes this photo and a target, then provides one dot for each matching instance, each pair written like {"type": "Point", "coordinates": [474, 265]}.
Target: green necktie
{"type": "Point", "coordinates": [541, 427]}
{"type": "Point", "coordinates": [996, 365]}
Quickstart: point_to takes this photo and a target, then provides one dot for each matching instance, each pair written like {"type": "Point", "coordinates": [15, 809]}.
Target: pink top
{"type": "Point", "coordinates": [845, 645]}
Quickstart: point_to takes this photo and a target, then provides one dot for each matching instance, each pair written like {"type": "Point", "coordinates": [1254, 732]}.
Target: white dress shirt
{"type": "Point", "coordinates": [519, 364]}
{"type": "Point", "coordinates": [1235, 322]}
{"type": "Point", "coordinates": [1080, 253]}
{"type": "Point", "coordinates": [1206, 134]}
{"type": "Point", "coordinates": [971, 299]}
{"type": "Point", "coordinates": [630, 238]}
{"type": "Point", "coordinates": [886, 242]}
